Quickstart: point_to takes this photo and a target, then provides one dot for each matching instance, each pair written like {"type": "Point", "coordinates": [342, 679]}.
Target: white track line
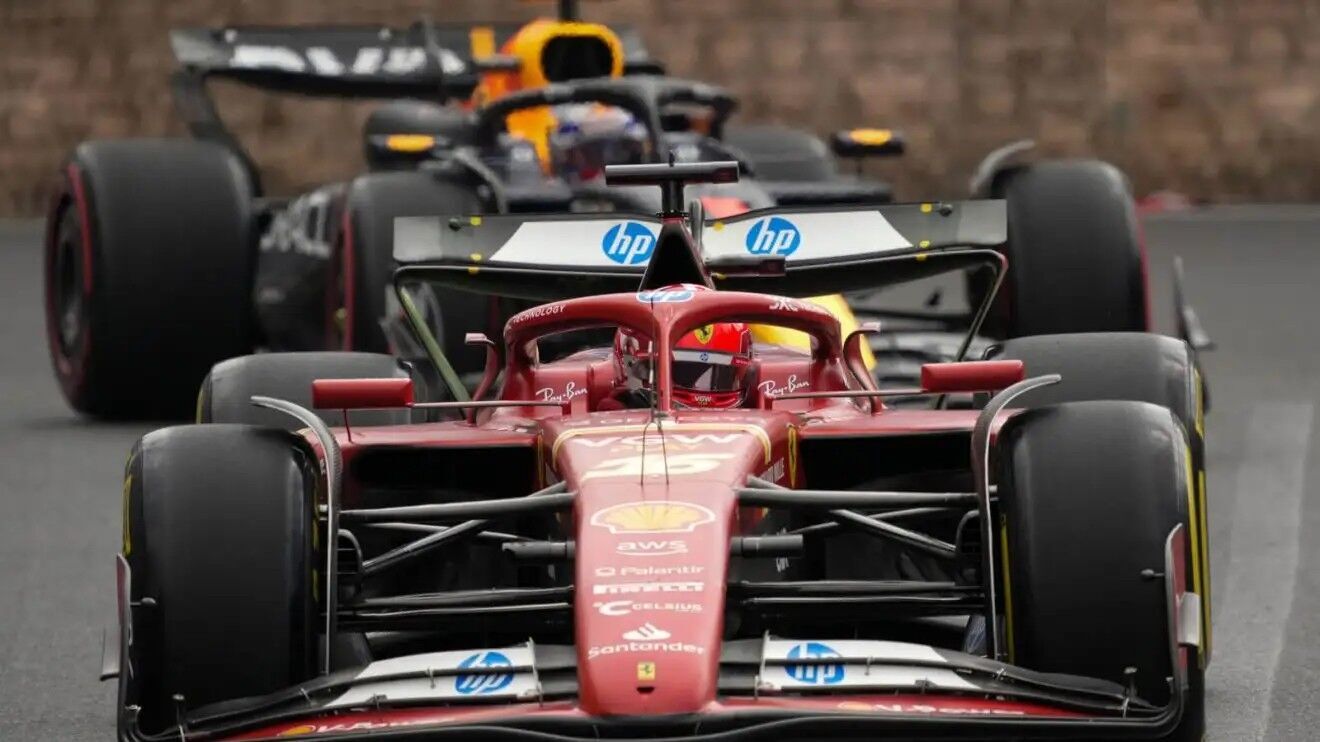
{"type": "Point", "coordinates": [1257, 596]}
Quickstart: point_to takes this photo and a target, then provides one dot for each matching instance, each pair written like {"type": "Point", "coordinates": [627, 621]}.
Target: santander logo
{"type": "Point", "coordinates": [647, 632]}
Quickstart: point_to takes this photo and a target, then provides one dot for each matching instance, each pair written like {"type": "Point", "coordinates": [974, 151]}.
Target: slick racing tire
{"type": "Point", "coordinates": [1076, 257]}
{"type": "Point", "coordinates": [227, 391]}
{"type": "Point", "coordinates": [1089, 493]}
{"type": "Point", "coordinates": [365, 266]}
{"type": "Point", "coordinates": [778, 153]}
{"type": "Point", "coordinates": [219, 537]}
{"type": "Point", "coordinates": [148, 274]}
{"type": "Point", "coordinates": [1136, 366]}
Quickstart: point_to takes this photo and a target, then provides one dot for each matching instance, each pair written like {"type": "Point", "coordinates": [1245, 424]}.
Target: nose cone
{"type": "Point", "coordinates": [651, 567]}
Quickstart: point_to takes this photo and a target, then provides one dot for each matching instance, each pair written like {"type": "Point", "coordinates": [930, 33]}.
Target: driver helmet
{"type": "Point", "coordinates": [710, 364]}
{"type": "Point", "coordinates": [590, 136]}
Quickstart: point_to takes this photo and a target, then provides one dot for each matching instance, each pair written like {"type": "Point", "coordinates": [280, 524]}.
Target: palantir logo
{"type": "Point", "coordinates": [814, 673]}
{"type": "Point", "coordinates": [630, 243]}
{"type": "Point", "coordinates": [773, 236]}
{"type": "Point", "coordinates": [486, 682]}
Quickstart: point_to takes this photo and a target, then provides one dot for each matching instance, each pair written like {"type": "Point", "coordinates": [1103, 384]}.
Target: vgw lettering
{"type": "Point", "coordinates": [651, 439]}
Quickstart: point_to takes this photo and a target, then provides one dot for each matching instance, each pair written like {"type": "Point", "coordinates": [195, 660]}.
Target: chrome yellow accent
{"type": "Point", "coordinates": [871, 137]}
{"type": "Point", "coordinates": [128, 489]}
{"type": "Point", "coordinates": [568, 435]}
{"type": "Point", "coordinates": [1206, 632]}
{"type": "Point", "coordinates": [481, 41]}
{"type": "Point", "coordinates": [1008, 586]}
{"type": "Point", "coordinates": [923, 244]}
{"type": "Point", "coordinates": [792, 456]}
{"type": "Point", "coordinates": [717, 226]}
{"type": "Point", "coordinates": [473, 270]}
{"type": "Point", "coordinates": [1194, 519]}
{"type": "Point", "coordinates": [926, 208]}
{"type": "Point", "coordinates": [1200, 403]}
{"type": "Point", "coordinates": [474, 221]}
{"type": "Point", "coordinates": [409, 142]}
{"type": "Point", "coordinates": [476, 257]}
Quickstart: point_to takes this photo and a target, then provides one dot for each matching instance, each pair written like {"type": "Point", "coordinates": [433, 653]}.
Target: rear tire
{"type": "Point", "coordinates": [1089, 492]}
{"type": "Point", "coordinates": [148, 274]}
{"type": "Point", "coordinates": [226, 392]}
{"type": "Point", "coordinates": [219, 533]}
{"type": "Point", "coordinates": [1076, 257]}
{"type": "Point", "coordinates": [366, 262]}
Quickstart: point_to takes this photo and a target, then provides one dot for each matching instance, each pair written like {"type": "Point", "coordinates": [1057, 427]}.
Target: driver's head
{"type": "Point", "coordinates": [590, 136]}
{"type": "Point", "coordinates": [710, 364]}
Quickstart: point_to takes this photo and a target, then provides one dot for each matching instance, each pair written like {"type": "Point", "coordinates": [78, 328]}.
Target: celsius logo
{"type": "Point", "coordinates": [630, 243]}
{"type": "Point", "coordinates": [773, 236]}
{"type": "Point", "coordinates": [486, 682]}
{"type": "Point", "coordinates": [815, 673]}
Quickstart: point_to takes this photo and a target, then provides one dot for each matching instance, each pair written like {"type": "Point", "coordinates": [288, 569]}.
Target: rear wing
{"type": "Point", "coordinates": [435, 61]}
{"type": "Point", "coordinates": [431, 61]}
{"type": "Point", "coordinates": [342, 61]}
{"type": "Point", "coordinates": [823, 250]}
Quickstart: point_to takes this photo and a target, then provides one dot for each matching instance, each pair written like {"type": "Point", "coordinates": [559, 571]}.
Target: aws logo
{"type": "Point", "coordinates": [773, 235]}
{"type": "Point", "coordinates": [630, 243]}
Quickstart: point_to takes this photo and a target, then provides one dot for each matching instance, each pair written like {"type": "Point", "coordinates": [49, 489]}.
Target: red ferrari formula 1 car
{"type": "Point", "coordinates": [678, 533]}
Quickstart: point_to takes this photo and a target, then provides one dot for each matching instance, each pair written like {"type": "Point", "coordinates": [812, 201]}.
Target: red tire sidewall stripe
{"type": "Point", "coordinates": [348, 276]}
{"type": "Point", "coordinates": [71, 371]}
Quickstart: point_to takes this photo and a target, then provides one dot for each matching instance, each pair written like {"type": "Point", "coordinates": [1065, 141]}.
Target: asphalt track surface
{"type": "Point", "coordinates": [1252, 272]}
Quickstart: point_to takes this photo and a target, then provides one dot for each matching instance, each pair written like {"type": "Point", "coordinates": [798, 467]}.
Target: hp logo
{"type": "Point", "coordinates": [487, 682]}
{"type": "Point", "coordinates": [630, 243]}
{"type": "Point", "coordinates": [815, 674]}
{"type": "Point", "coordinates": [773, 236]}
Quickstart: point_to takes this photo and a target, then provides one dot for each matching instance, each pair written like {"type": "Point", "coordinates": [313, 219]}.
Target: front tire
{"type": "Point", "coordinates": [148, 274]}
{"type": "Point", "coordinates": [220, 537]}
{"type": "Point", "coordinates": [1089, 492]}
{"type": "Point", "coordinates": [226, 393]}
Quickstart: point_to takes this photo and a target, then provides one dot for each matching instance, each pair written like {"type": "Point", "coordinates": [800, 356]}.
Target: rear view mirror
{"type": "Point", "coordinates": [361, 394]}
{"type": "Point", "coordinates": [868, 143]}
{"type": "Point", "coordinates": [970, 376]}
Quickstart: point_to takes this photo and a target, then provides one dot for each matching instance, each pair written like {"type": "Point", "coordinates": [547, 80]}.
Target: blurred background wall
{"type": "Point", "coordinates": [1219, 99]}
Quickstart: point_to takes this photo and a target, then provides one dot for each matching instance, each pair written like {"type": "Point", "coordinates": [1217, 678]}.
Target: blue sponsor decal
{"type": "Point", "coordinates": [481, 684]}
{"type": "Point", "coordinates": [664, 296]}
{"type": "Point", "coordinates": [773, 236]}
{"type": "Point", "coordinates": [630, 243]}
{"type": "Point", "coordinates": [815, 674]}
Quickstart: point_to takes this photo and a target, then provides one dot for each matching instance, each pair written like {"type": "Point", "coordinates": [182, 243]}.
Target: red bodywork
{"type": "Point", "coordinates": [656, 503]}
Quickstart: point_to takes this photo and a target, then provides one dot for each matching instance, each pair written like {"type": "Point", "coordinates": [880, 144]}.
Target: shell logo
{"type": "Point", "coordinates": [652, 517]}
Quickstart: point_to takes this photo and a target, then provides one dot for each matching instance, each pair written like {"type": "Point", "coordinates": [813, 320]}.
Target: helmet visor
{"type": "Point", "coordinates": [705, 371]}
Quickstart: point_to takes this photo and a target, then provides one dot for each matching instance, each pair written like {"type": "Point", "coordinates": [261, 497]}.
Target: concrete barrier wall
{"type": "Point", "coordinates": [1215, 98]}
